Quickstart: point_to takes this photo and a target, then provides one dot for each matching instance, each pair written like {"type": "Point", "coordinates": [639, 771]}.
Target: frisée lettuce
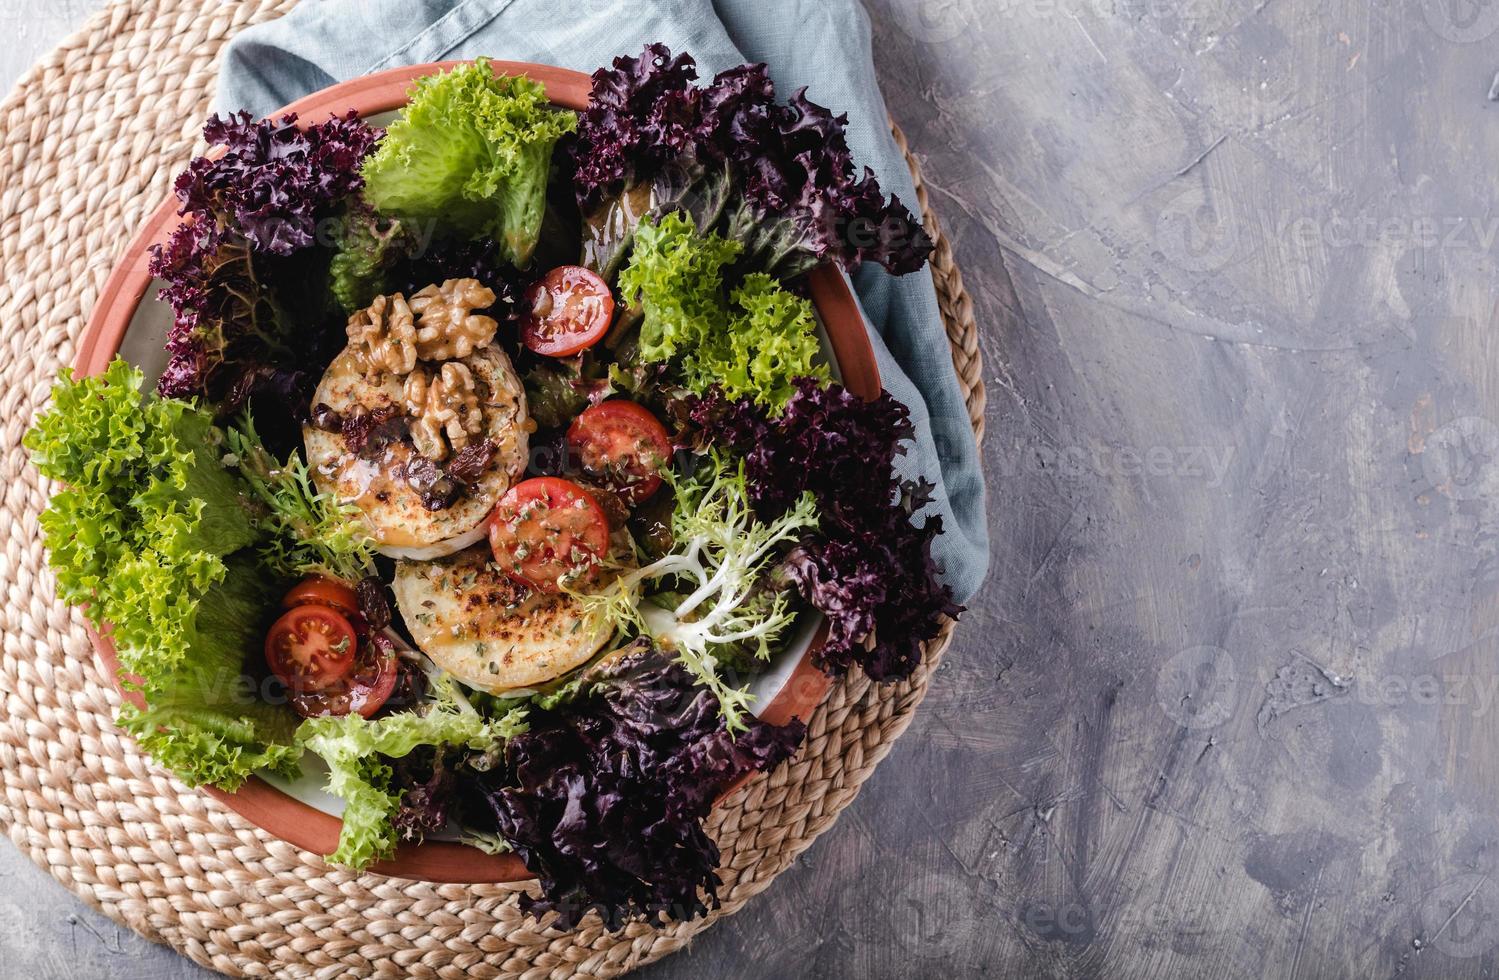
{"type": "Point", "coordinates": [868, 565]}
{"type": "Point", "coordinates": [472, 151]}
{"type": "Point", "coordinates": [721, 601]}
{"type": "Point", "coordinates": [308, 532]}
{"type": "Point", "coordinates": [358, 752]}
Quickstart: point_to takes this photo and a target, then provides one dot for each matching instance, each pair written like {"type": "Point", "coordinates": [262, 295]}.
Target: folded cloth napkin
{"type": "Point", "coordinates": [823, 45]}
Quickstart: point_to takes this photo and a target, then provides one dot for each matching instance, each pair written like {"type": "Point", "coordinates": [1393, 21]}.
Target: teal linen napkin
{"type": "Point", "coordinates": [823, 45]}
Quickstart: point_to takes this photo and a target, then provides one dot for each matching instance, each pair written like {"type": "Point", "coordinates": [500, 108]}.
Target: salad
{"type": "Point", "coordinates": [495, 456]}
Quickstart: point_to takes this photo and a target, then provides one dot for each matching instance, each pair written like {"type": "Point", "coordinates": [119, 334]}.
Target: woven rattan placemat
{"type": "Point", "coordinates": [92, 137]}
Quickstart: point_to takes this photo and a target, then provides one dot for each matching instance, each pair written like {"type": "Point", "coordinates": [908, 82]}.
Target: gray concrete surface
{"type": "Point", "coordinates": [1227, 706]}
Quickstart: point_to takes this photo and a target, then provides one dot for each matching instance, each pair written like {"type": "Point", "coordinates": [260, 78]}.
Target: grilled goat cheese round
{"type": "Point", "coordinates": [374, 480]}
{"type": "Point", "coordinates": [485, 630]}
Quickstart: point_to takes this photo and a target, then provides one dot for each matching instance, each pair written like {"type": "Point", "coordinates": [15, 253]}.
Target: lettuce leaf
{"type": "Point", "coordinates": [142, 536]}
{"type": "Point", "coordinates": [204, 719]}
{"type": "Point", "coordinates": [473, 151]}
{"type": "Point", "coordinates": [308, 532]}
{"type": "Point", "coordinates": [677, 277]}
{"type": "Point", "coordinates": [772, 340]}
{"type": "Point", "coordinates": [367, 245]}
{"type": "Point", "coordinates": [242, 274]}
{"type": "Point", "coordinates": [868, 565]}
{"type": "Point", "coordinates": [93, 435]}
{"type": "Point", "coordinates": [792, 196]}
{"type": "Point", "coordinates": [357, 751]}
{"type": "Point", "coordinates": [275, 178]}
{"type": "Point", "coordinates": [604, 798]}
{"type": "Point", "coordinates": [148, 513]}
{"type": "Point", "coordinates": [723, 611]}
{"type": "Point", "coordinates": [750, 344]}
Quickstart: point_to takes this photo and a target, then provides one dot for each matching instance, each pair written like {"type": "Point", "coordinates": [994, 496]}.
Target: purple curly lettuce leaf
{"type": "Point", "coordinates": [186, 366]}
{"type": "Point", "coordinates": [805, 203]}
{"type": "Point", "coordinates": [229, 345]}
{"type": "Point", "coordinates": [738, 116]}
{"type": "Point", "coordinates": [275, 179]}
{"type": "Point", "coordinates": [427, 783]}
{"type": "Point", "coordinates": [801, 201]}
{"type": "Point", "coordinates": [639, 119]}
{"type": "Point", "coordinates": [604, 798]}
{"type": "Point", "coordinates": [227, 272]}
{"type": "Point", "coordinates": [277, 398]}
{"type": "Point", "coordinates": [879, 589]}
{"type": "Point", "coordinates": [868, 567]}
{"type": "Point", "coordinates": [221, 314]}
{"type": "Point", "coordinates": [827, 440]}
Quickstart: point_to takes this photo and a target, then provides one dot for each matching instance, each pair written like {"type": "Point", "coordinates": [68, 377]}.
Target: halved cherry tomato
{"type": "Point", "coordinates": [311, 648]}
{"type": "Point", "coordinates": [622, 444]}
{"type": "Point", "coordinates": [364, 691]}
{"type": "Point", "coordinates": [547, 528]}
{"type": "Point", "coordinates": [318, 590]}
{"type": "Point", "coordinates": [568, 309]}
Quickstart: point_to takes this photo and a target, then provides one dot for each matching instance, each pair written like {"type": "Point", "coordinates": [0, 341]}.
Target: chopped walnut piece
{"type": "Point", "coordinates": [447, 326]}
{"type": "Point", "coordinates": [445, 409]}
{"type": "Point", "coordinates": [387, 333]}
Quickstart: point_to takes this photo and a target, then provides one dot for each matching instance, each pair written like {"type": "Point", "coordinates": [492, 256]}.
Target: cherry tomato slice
{"type": "Point", "coordinates": [364, 691]}
{"type": "Point", "coordinates": [311, 648]}
{"type": "Point", "coordinates": [623, 445]}
{"type": "Point", "coordinates": [568, 309]}
{"type": "Point", "coordinates": [545, 529]}
{"type": "Point", "coordinates": [318, 590]}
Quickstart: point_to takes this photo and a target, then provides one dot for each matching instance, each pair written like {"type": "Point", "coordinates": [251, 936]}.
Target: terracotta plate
{"type": "Point", "coordinates": [122, 323]}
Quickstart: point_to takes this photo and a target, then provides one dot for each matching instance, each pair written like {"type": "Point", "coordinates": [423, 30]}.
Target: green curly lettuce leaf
{"type": "Point", "coordinates": [771, 340]}
{"type": "Point", "coordinates": [145, 536]}
{"type": "Point", "coordinates": [677, 277]}
{"type": "Point", "coordinates": [356, 750]}
{"type": "Point", "coordinates": [191, 503]}
{"type": "Point", "coordinates": [205, 719]}
{"type": "Point", "coordinates": [365, 248]}
{"type": "Point", "coordinates": [94, 435]}
{"type": "Point", "coordinates": [148, 513]}
{"type": "Point", "coordinates": [752, 343]}
{"type": "Point", "coordinates": [147, 466]}
{"type": "Point", "coordinates": [472, 150]}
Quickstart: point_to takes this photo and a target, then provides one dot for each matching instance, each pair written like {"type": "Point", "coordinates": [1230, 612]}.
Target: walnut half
{"type": "Point", "coordinates": [386, 332]}
{"type": "Point", "coordinates": [447, 326]}
{"type": "Point", "coordinates": [437, 324]}
{"type": "Point", "coordinates": [445, 409]}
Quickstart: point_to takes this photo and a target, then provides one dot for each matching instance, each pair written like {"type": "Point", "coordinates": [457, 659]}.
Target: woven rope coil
{"type": "Point", "coordinates": [93, 135]}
